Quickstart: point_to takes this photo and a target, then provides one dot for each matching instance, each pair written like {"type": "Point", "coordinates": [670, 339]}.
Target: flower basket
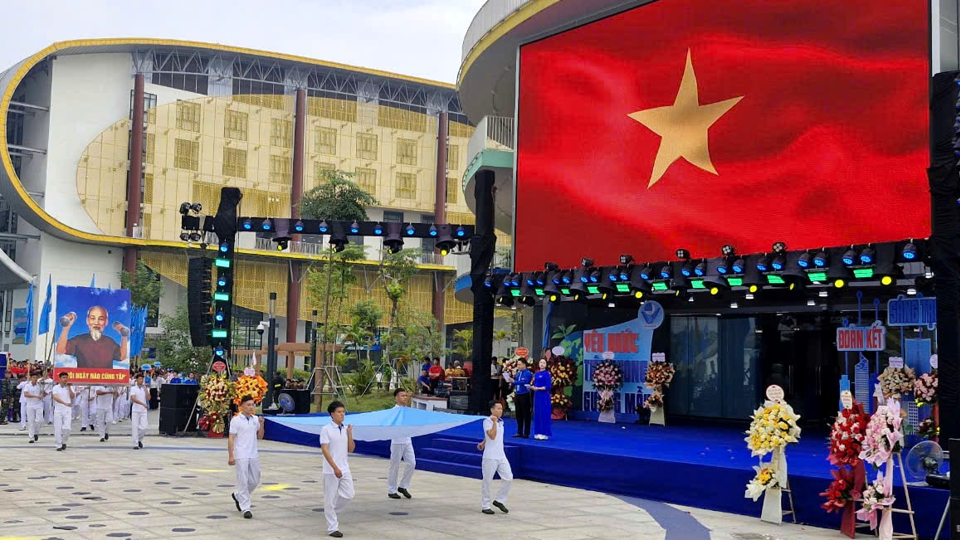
{"type": "Point", "coordinates": [558, 413]}
{"type": "Point", "coordinates": [894, 382]}
{"type": "Point", "coordinates": [216, 392]}
{"type": "Point", "coordinates": [925, 388]}
{"type": "Point", "coordinates": [255, 387]}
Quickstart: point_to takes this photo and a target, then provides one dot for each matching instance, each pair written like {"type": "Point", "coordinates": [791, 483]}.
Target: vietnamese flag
{"type": "Point", "coordinates": [694, 124]}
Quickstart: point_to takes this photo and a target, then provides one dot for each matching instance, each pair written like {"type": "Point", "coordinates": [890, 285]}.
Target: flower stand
{"type": "Point", "coordinates": [773, 511]}
{"type": "Point", "coordinates": [657, 416]}
{"type": "Point", "coordinates": [891, 510]}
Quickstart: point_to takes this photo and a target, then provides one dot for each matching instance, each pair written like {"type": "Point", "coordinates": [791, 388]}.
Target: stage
{"type": "Point", "coordinates": [703, 465]}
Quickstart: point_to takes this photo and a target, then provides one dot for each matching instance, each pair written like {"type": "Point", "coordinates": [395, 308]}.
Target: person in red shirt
{"type": "Point", "coordinates": [436, 374]}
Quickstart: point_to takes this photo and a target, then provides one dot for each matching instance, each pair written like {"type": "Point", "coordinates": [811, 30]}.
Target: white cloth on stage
{"type": "Point", "coordinates": [337, 492]}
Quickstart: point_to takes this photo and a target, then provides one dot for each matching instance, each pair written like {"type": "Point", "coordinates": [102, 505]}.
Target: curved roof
{"type": "Point", "coordinates": [15, 193]}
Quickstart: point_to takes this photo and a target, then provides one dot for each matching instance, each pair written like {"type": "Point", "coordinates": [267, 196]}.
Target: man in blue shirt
{"type": "Point", "coordinates": [523, 398]}
{"type": "Point", "coordinates": [423, 383]}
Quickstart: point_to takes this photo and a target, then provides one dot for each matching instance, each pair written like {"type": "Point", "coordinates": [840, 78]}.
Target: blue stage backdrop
{"type": "Point", "coordinates": [629, 343]}
{"type": "Point", "coordinates": [93, 328]}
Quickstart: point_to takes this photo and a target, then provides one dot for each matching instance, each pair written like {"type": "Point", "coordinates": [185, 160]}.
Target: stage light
{"type": "Point", "coordinates": [565, 278]}
{"type": "Point", "coordinates": [779, 247]}
{"type": "Point", "coordinates": [820, 260]}
{"type": "Point", "coordinates": [763, 263]}
{"type": "Point", "coordinates": [266, 225]}
{"type": "Point", "coordinates": [752, 289]}
{"type": "Point", "coordinates": [728, 251]}
{"type": "Point", "coordinates": [687, 269]}
{"type": "Point", "coordinates": [683, 254]}
{"type": "Point", "coordinates": [586, 262]}
{"type": "Point", "coordinates": [282, 245]}
{"type": "Point", "coordinates": [804, 261]}
{"type": "Point", "coordinates": [866, 256]}
{"type": "Point", "coordinates": [323, 228]}
{"type": "Point", "coordinates": [553, 298]}
{"type": "Point", "coordinates": [595, 276]}
{"type": "Point", "coordinates": [626, 259]}
{"type": "Point", "coordinates": [666, 271]}
{"type": "Point", "coordinates": [638, 295]}
{"type": "Point", "coordinates": [887, 280]}
{"type": "Point", "coordinates": [224, 247]}
{"type": "Point", "coordinates": [839, 283]}
{"type": "Point", "coordinates": [185, 236]}
{"type": "Point", "coordinates": [849, 257]}
{"type": "Point", "coordinates": [624, 274]}
{"type": "Point", "coordinates": [219, 351]}
{"type": "Point", "coordinates": [393, 241]}
{"type": "Point", "coordinates": [433, 230]}
{"type": "Point", "coordinates": [460, 232]}
{"type": "Point", "coordinates": [247, 225]}
{"type": "Point", "coordinates": [738, 266]}
{"type": "Point", "coordinates": [584, 276]}
{"type": "Point", "coordinates": [909, 251]}
{"type": "Point", "coordinates": [714, 290]}
{"type": "Point", "coordinates": [222, 281]}
{"type": "Point", "coordinates": [410, 230]}
{"type": "Point", "coordinates": [700, 269]}
{"type": "Point", "coordinates": [298, 226]}
{"type": "Point", "coordinates": [219, 316]}
{"type": "Point", "coordinates": [778, 263]}
{"type": "Point", "coordinates": [184, 208]}
{"type": "Point", "coordinates": [722, 267]}
{"type": "Point", "coordinates": [196, 207]}
{"type": "Point", "coordinates": [646, 272]}
{"type": "Point", "coordinates": [488, 281]}
{"type": "Point", "coordinates": [354, 228]}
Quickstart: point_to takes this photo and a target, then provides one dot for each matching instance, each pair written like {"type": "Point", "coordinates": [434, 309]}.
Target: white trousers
{"type": "Point", "coordinates": [337, 492]}
{"type": "Point", "coordinates": [23, 415]}
{"type": "Point", "coordinates": [88, 412]}
{"type": "Point", "coordinates": [103, 417]}
{"type": "Point", "coordinates": [398, 452]}
{"type": "Point", "coordinates": [34, 416]}
{"type": "Point", "coordinates": [491, 466]}
{"type": "Point", "coordinates": [138, 426]}
{"type": "Point", "coordinates": [48, 409]}
{"type": "Point", "coordinates": [61, 425]}
{"type": "Point", "coordinates": [248, 478]}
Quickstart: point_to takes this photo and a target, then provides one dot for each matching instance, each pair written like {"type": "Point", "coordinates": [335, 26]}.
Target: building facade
{"type": "Point", "coordinates": [213, 116]}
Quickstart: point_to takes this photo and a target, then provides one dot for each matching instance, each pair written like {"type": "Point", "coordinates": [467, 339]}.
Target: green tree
{"type": "Point", "coordinates": [463, 343]}
{"type": "Point", "coordinates": [395, 271]}
{"type": "Point", "coordinates": [145, 288]}
{"type": "Point", "coordinates": [173, 345]}
{"type": "Point", "coordinates": [418, 333]}
{"type": "Point", "coordinates": [336, 198]}
{"type": "Point", "coordinates": [328, 285]}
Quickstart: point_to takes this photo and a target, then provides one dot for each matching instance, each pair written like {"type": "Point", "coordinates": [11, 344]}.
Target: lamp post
{"type": "Point", "coordinates": [271, 351]}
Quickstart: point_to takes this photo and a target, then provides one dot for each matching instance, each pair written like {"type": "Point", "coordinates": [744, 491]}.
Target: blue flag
{"type": "Point", "coordinates": [30, 315]}
{"type": "Point", "coordinates": [93, 281]}
{"type": "Point", "coordinates": [44, 325]}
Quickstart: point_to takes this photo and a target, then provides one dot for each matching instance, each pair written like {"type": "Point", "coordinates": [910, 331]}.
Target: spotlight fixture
{"type": "Point", "coordinates": [184, 208]}
{"type": "Point", "coordinates": [779, 247]}
{"type": "Point", "coordinates": [820, 260]}
{"type": "Point", "coordinates": [460, 232]}
{"type": "Point", "coordinates": [849, 257]}
{"type": "Point", "coordinates": [737, 266]}
{"type": "Point", "coordinates": [666, 271]}
{"type": "Point", "coordinates": [224, 247]}
{"type": "Point", "coordinates": [722, 267]}
{"type": "Point", "coordinates": [626, 259]}
{"type": "Point", "coordinates": [777, 263]}
{"type": "Point", "coordinates": [196, 207]}
{"type": "Point", "coordinates": [683, 254]}
{"type": "Point", "coordinates": [586, 262]}
{"type": "Point", "coordinates": [266, 225]}
{"type": "Point", "coordinates": [410, 230]}
{"type": "Point", "coordinates": [488, 281]}
{"type": "Point", "coordinates": [646, 271]}
{"type": "Point", "coordinates": [687, 269]}
{"type": "Point", "coordinates": [839, 283]}
{"type": "Point", "coordinates": [282, 245]}
{"type": "Point", "coordinates": [728, 251]}
{"type": "Point", "coordinates": [247, 225]}
{"type": "Point", "coordinates": [701, 269]}
{"type": "Point", "coordinates": [804, 261]}
{"type": "Point", "coordinates": [354, 228]}
{"type": "Point", "coordinates": [551, 266]}
{"type": "Point", "coordinates": [298, 226]}
{"type": "Point", "coordinates": [323, 228]}
{"type": "Point", "coordinates": [867, 255]}
{"type": "Point", "coordinates": [909, 251]}
{"type": "Point", "coordinates": [184, 236]}
{"type": "Point", "coordinates": [393, 241]}
{"type": "Point", "coordinates": [378, 229]}
{"type": "Point", "coordinates": [595, 276]}
{"type": "Point", "coordinates": [763, 263]}
{"type": "Point", "coordinates": [433, 230]}
{"type": "Point", "coordinates": [194, 237]}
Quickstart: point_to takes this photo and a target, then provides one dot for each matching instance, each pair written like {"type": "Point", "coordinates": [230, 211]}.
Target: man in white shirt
{"type": "Point", "coordinates": [245, 429]}
{"type": "Point", "coordinates": [138, 416]}
{"type": "Point", "coordinates": [83, 396]}
{"type": "Point", "coordinates": [103, 395]}
{"type": "Point", "coordinates": [401, 449]}
{"type": "Point", "coordinates": [48, 385]}
{"type": "Point", "coordinates": [336, 441]}
{"type": "Point", "coordinates": [494, 461]}
{"type": "Point", "coordinates": [62, 411]}
{"type": "Point", "coordinates": [33, 407]}
{"type": "Point", "coordinates": [23, 402]}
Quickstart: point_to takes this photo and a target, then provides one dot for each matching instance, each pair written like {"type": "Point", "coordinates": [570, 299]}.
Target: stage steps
{"type": "Point", "coordinates": [458, 456]}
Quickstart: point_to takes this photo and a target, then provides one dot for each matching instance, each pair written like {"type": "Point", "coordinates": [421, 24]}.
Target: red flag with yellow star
{"type": "Point", "coordinates": [691, 124]}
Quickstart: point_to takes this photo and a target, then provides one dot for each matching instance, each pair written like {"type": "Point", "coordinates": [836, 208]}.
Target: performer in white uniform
{"type": "Point", "coordinates": [336, 441]}
{"type": "Point", "coordinates": [48, 385]}
{"type": "Point", "coordinates": [139, 396]}
{"type": "Point", "coordinates": [83, 398]}
{"type": "Point", "coordinates": [33, 407]}
{"type": "Point", "coordinates": [62, 411]}
{"type": "Point", "coordinates": [104, 397]}
{"type": "Point", "coordinates": [23, 403]}
{"type": "Point", "coordinates": [494, 461]}
{"type": "Point", "coordinates": [91, 419]}
{"type": "Point", "coordinates": [245, 429]}
{"type": "Point", "coordinates": [401, 450]}
{"type": "Point", "coordinates": [121, 405]}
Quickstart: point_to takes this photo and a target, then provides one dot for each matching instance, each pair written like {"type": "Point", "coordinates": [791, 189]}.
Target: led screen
{"type": "Point", "coordinates": [694, 124]}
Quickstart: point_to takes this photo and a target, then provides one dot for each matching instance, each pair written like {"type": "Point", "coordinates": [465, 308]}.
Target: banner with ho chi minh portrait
{"type": "Point", "coordinates": [93, 335]}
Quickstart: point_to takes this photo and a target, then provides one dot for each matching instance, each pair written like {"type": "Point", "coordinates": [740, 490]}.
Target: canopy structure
{"type": "Point", "coordinates": [388, 424]}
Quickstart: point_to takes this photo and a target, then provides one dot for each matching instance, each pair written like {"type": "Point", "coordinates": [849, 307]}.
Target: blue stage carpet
{"type": "Point", "coordinates": [701, 466]}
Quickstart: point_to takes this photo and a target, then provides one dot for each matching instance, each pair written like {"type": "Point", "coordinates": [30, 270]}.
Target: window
{"type": "Point", "coordinates": [235, 125]}
{"type": "Point", "coordinates": [149, 146]}
{"type": "Point", "coordinates": [367, 147]}
{"type": "Point", "coordinates": [147, 189]}
{"type": "Point", "coordinates": [406, 151]}
{"type": "Point", "coordinates": [326, 141]}
{"type": "Point", "coordinates": [280, 169]}
{"type": "Point", "coordinates": [406, 186]}
{"type": "Point", "coordinates": [235, 162]}
{"type": "Point", "coordinates": [186, 155]}
{"type": "Point", "coordinates": [320, 171]}
{"type": "Point", "coordinates": [188, 116]}
{"type": "Point", "coordinates": [281, 133]}
{"type": "Point", "coordinates": [367, 179]}
{"type": "Point", "coordinates": [149, 102]}
{"type": "Point", "coordinates": [453, 157]}
{"type": "Point", "coordinates": [390, 216]}
{"type": "Point", "coordinates": [453, 189]}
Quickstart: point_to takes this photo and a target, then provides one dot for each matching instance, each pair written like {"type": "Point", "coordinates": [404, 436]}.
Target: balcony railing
{"type": "Point", "coordinates": [490, 15]}
{"type": "Point", "coordinates": [493, 133]}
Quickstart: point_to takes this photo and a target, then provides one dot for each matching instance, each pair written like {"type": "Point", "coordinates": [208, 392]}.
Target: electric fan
{"type": "Point", "coordinates": [923, 459]}
{"type": "Point", "coordinates": [287, 403]}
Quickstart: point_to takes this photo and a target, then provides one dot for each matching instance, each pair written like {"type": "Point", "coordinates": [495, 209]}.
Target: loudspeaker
{"type": "Point", "coordinates": [177, 420]}
{"type": "Point", "coordinates": [302, 399]}
{"type": "Point", "coordinates": [179, 396]}
{"type": "Point", "coordinates": [199, 300]}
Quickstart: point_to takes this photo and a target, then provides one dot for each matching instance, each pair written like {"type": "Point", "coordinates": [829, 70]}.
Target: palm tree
{"type": "Point", "coordinates": [464, 343]}
{"type": "Point", "coordinates": [500, 336]}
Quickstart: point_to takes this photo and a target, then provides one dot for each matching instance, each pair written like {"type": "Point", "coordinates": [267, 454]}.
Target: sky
{"type": "Point", "coordinates": [422, 38]}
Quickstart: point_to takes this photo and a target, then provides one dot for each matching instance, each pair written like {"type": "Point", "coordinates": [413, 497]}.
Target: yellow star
{"type": "Point", "coordinates": [683, 126]}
